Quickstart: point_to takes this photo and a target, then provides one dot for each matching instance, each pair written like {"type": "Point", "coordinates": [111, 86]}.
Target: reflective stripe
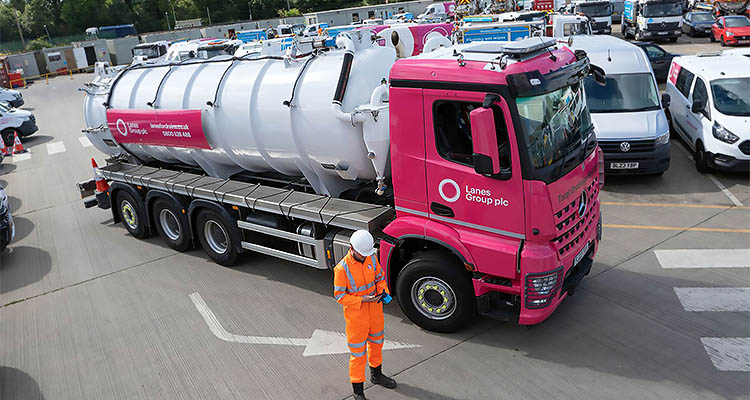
{"type": "Point", "coordinates": [339, 288]}
{"type": "Point", "coordinates": [376, 334]}
{"type": "Point", "coordinates": [376, 341]}
{"type": "Point", "coordinates": [462, 223]}
{"type": "Point", "coordinates": [357, 345]}
{"type": "Point", "coordinates": [360, 354]}
{"type": "Point", "coordinates": [352, 282]}
{"type": "Point", "coordinates": [339, 296]}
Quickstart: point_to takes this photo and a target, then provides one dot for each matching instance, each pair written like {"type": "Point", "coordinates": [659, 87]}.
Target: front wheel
{"type": "Point", "coordinates": [723, 43]}
{"type": "Point", "coordinates": [436, 293]}
{"type": "Point", "coordinates": [672, 39]}
{"type": "Point", "coordinates": [216, 238]}
{"type": "Point", "coordinates": [701, 165]}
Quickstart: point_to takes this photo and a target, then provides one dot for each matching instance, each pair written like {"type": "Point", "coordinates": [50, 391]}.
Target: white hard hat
{"type": "Point", "coordinates": [363, 243]}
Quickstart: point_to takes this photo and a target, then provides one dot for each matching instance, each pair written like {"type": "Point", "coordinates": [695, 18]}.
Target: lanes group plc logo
{"type": "Point", "coordinates": [122, 128]}
{"type": "Point", "coordinates": [451, 193]}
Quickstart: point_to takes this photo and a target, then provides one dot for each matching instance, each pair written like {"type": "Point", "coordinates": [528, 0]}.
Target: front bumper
{"type": "Point", "coordinates": [604, 31]}
{"type": "Point", "coordinates": [658, 35]}
{"type": "Point", "coordinates": [651, 162]}
{"type": "Point", "coordinates": [723, 162]}
{"type": "Point", "coordinates": [17, 102]}
{"type": "Point", "coordinates": [28, 127]}
{"type": "Point", "coordinates": [737, 40]}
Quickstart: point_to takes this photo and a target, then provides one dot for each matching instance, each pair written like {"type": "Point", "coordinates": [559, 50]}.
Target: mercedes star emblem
{"type": "Point", "coordinates": [582, 204]}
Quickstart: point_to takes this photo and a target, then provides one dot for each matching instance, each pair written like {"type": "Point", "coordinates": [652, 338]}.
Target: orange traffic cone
{"type": "Point", "coordinates": [4, 148]}
{"type": "Point", "coordinates": [101, 183]}
{"type": "Point", "coordinates": [17, 146]}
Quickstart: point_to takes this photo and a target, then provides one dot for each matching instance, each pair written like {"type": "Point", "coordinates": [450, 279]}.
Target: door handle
{"type": "Point", "coordinates": [442, 210]}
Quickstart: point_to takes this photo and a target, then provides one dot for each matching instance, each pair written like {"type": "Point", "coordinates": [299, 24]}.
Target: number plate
{"type": "Point", "coordinates": [743, 41]}
{"type": "Point", "coordinates": [580, 254]}
{"type": "Point", "coordinates": [663, 33]}
{"type": "Point", "coordinates": [623, 165]}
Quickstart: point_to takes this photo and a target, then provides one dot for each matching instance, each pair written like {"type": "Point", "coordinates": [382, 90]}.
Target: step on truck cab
{"type": "Point", "coordinates": [476, 169]}
{"type": "Point", "coordinates": [652, 19]}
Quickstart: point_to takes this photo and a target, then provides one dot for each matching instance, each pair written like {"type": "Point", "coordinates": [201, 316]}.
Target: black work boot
{"type": "Point", "coordinates": [377, 378]}
{"type": "Point", "coordinates": [359, 391]}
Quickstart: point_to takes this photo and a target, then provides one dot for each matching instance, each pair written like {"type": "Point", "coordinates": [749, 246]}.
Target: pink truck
{"type": "Point", "coordinates": [488, 203]}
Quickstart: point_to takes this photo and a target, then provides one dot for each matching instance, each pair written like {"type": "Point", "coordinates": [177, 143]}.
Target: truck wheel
{"type": "Point", "coordinates": [172, 224]}
{"type": "Point", "coordinates": [216, 239]}
{"type": "Point", "coordinates": [8, 136]}
{"type": "Point", "coordinates": [700, 158]}
{"type": "Point", "coordinates": [131, 215]}
{"type": "Point", "coordinates": [435, 292]}
{"type": "Point", "coordinates": [672, 39]}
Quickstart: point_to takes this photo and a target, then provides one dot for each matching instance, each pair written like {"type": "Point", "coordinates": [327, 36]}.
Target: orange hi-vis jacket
{"type": "Point", "coordinates": [364, 321]}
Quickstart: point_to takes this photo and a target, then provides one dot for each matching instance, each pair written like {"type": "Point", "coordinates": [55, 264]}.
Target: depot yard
{"type": "Point", "coordinates": [663, 315]}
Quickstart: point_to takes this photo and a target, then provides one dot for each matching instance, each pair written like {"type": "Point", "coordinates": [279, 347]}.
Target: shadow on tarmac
{"type": "Point", "coordinates": [14, 203]}
{"type": "Point", "coordinates": [419, 393]}
{"type": "Point", "coordinates": [16, 384]}
{"type": "Point", "coordinates": [6, 169]}
{"type": "Point", "coordinates": [21, 266]}
{"type": "Point", "coordinates": [36, 140]}
{"type": "Point", "coordinates": [24, 227]}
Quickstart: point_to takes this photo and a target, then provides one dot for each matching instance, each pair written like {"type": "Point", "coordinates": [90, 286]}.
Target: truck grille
{"type": "Point", "coordinates": [745, 147]}
{"type": "Point", "coordinates": [616, 146]}
{"type": "Point", "coordinates": [663, 26]}
{"type": "Point", "coordinates": [570, 227]}
{"type": "Point", "coordinates": [599, 25]}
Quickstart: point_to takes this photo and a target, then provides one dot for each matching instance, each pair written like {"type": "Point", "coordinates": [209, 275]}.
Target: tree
{"type": "Point", "coordinates": [36, 14]}
{"type": "Point", "coordinates": [38, 44]}
{"type": "Point", "coordinates": [292, 12]}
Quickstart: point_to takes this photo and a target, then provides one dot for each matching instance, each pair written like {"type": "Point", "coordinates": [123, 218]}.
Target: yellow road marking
{"type": "Point", "coordinates": [678, 205]}
{"type": "Point", "coordinates": [676, 228]}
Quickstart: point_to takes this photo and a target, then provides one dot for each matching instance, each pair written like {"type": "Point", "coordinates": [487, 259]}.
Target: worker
{"type": "Point", "coordinates": [359, 285]}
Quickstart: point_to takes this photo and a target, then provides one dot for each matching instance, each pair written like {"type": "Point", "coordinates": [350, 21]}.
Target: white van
{"type": "Point", "coordinates": [631, 126]}
{"type": "Point", "coordinates": [711, 109]}
{"type": "Point", "coordinates": [14, 121]}
{"type": "Point", "coordinates": [14, 97]}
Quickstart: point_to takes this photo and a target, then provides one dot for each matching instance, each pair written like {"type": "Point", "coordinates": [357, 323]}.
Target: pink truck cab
{"type": "Point", "coordinates": [496, 175]}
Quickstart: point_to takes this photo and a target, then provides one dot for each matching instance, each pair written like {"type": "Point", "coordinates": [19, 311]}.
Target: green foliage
{"type": "Point", "coordinates": [38, 44]}
{"type": "Point", "coordinates": [293, 12]}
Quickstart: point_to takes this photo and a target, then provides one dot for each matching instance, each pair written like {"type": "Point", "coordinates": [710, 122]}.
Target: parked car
{"type": "Point", "coordinates": [13, 97]}
{"type": "Point", "coordinates": [7, 228]}
{"type": "Point", "coordinates": [730, 30]}
{"type": "Point", "coordinates": [697, 23]}
{"type": "Point", "coordinates": [14, 121]}
{"type": "Point", "coordinates": [659, 58]}
{"type": "Point", "coordinates": [710, 109]}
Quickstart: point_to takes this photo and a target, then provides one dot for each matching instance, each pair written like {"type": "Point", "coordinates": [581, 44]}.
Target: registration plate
{"type": "Point", "coordinates": [663, 33]}
{"type": "Point", "coordinates": [581, 254]}
{"type": "Point", "coordinates": [623, 165]}
{"type": "Point", "coordinates": [743, 41]}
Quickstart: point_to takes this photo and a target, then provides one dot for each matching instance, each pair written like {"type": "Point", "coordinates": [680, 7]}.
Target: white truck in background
{"type": "Point", "coordinates": [600, 12]}
{"type": "Point", "coordinates": [652, 19]}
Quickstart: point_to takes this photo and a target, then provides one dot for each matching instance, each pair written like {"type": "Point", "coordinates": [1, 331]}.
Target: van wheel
{"type": "Point", "coordinates": [131, 214]}
{"type": "Point", "coordinates": [700, 158]}
{"type": "Point", "coordinates": [172, 224]}
{"type": "Point", "coordinates": [435, 292]}
{"type": "Point", "coordinates": [9, 135]}
{"type": "Point", "coordinates": [216, 238]}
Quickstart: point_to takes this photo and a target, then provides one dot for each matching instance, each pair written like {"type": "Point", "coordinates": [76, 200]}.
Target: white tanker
{"type": "Point", "coordinates": [323, 116]}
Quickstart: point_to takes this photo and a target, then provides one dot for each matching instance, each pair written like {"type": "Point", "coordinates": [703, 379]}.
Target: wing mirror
{"type": "Point", "coordinates": [697, 106]}
{"type": "Point", "coordinates": [599, 75]}
{"type": "Point", "coordinates": [484, 141]}
{"type": "Point", "coordinates": [665, 100]}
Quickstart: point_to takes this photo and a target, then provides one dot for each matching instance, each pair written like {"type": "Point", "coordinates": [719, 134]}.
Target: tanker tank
{"type": "Point", "coordinates": [321, 115]}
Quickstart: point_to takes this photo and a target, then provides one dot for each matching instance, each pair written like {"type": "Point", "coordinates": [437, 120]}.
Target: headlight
{"type": "Point", "coordinates": [730, 34]}
{"type": "Point", "coordinates": [724, 134]}
{"type": "Point", "coordinates": [662, 139]}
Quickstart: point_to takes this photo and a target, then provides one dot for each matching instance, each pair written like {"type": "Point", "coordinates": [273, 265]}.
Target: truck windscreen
{"type": "Point", "coordinates": [594, 10]}
{"type": "Point", "coordinates": [662, 9]}
{"type": "Point", "coordinates": [622, 93]}
{"type": "Point", "coordinates": [148, 52]}
{"type": "Point", "coordinates": [555, 125]}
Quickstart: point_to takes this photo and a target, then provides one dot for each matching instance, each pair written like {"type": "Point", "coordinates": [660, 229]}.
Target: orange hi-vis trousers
{"type": "Point", "coordinates": [364, 321]}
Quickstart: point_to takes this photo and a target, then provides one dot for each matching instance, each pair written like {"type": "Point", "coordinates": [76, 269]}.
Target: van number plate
{"type": "Point", "coordinates": [623, 165]}
{"type": "Point", "coordinates": [580, 254]}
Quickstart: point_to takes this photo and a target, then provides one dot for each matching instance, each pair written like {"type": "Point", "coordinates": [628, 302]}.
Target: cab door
{"type": "Point", "coordinates": [486, 211]}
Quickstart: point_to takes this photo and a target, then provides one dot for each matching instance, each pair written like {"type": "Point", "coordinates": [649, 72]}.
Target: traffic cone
{"type": "Point", "coordinates": [17, 146]}
{"type": "Point", "coordinates": [101, 183]}
{"type": "Point", "coordinates": [4, 148]}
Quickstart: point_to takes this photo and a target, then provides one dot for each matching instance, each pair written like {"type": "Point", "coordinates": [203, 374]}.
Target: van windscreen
{"type": "Point", "coordinates": [622, 93]}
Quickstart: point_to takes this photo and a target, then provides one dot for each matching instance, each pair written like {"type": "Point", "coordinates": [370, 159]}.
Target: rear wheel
{"type": "Point", "coordinates": [133, 218]}
{"type": "Point", "coordinates": [435, 292]}
{"type": "Point", "coordinates": [701, 165]}
{"type": "Point", "coordinates": [216, 238]}
{"type": "Point", "coordinates": [172, 224]}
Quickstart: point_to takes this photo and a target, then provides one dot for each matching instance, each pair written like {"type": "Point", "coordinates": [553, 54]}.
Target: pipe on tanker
{"type": "Point", "coordinates": [345, 42]}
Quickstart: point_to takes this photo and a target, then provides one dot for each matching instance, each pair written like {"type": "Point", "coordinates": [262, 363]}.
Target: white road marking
{"type": "Point", "coordinates": [320, 343]}
{"type": "Point", "coordinates": [21, 157]}
{"type": "Point", "coordinates": [714, 299]}
{"type": "Point", "coordinates": [725, 190]}
{"type": "Point", "coordinates": [728, 354]}
{"type": "Point", "coordinates": [85, 142]}
{"type": "Point", "coordinates": [704, 258]}
{"type": "Point", "coordinates": [54, 148]}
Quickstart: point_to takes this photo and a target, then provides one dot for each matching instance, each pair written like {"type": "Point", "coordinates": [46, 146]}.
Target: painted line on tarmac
{"type": "Point", "coordinates": [320, 343]}
{"type": "Point", "coordinates": [676, 205]}
{"type": "Point", "coordinates": [729, 299]}
{"type": "Point", "coordinates": [676, 228]}
{"type": "Point", "coordinates": [728, 354]}
{"type": "Point", "coordinates": [54, 148]}
{"type": "Point", "coordinates": [21, 157]}
{"type": "Point", "coordinates": [724, 189]}
{"type": "Point", "coordinates": [704, 258]}
{"type": "Point", "coordinates": [85, 142]}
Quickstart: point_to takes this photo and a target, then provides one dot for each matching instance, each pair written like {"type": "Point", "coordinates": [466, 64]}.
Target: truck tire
{"type": "Point", "coordinates": [131, 213]}
{"type": "Point", "coordinates": [435, 292]}
{"type": "Point", "coordinates": [673, 39]}
{"type": "Point", "coordinates": [9, 134]}
{"type": "Point", "coordinates": [216, 238]}
{"type": "Point", "coordinates": [172, 224]}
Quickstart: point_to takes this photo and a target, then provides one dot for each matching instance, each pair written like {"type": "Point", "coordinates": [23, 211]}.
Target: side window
{"type": "Point", "coordinates": [453, 132]}
{"type": "Point", "coordinates": [684, 81]}
{"type": "Point", "coordinates": [699, 91]}
{"type": "Point", "coordinates": [654, 52]}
